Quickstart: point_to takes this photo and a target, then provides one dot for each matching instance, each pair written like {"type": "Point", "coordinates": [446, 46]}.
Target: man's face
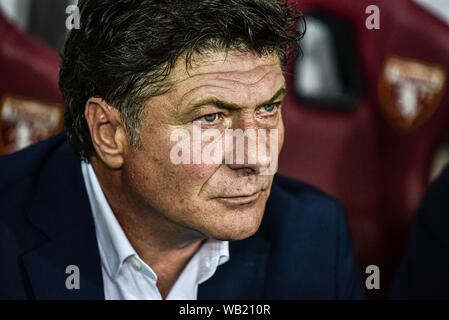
{"type": "Point", "coordinates": [220, 91]}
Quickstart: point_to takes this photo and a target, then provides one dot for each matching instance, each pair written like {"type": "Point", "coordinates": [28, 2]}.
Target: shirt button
{"type": "Point", "coordinates": [136, 264]}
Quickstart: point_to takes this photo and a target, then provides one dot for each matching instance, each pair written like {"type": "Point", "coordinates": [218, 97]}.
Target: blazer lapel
{"type": "Point", "coordinates": [243, 276]}
{"type": "Point", "coordinates": [61, 211]}
{"type": "Point", "coordinates": [47, 266]}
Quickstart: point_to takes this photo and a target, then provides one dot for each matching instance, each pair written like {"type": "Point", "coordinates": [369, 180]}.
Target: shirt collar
{"type": "Point", "coordinates": [115, 247]}
{"type": "Point", "coordinates": [212, 254]}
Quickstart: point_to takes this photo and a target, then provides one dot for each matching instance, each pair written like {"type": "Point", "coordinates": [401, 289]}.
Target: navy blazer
{"type": "Point", "coordinates": [302, 250]}
{"type": "Point", "coordinates": [424, 270]}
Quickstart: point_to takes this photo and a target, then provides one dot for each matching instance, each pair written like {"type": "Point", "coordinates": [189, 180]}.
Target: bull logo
{"type": "Point", "coordinates": [25, 121]}
{"type": "Point", "coordinates": [410, 91]}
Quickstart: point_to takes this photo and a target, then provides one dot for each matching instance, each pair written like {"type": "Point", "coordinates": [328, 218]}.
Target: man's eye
{"type": "Point", "coordinates": [210, 117]}
{"type": "Point", "coordinates": [270, 107]}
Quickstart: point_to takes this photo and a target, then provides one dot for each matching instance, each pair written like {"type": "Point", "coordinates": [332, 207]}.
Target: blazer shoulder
{"type": "Point", "coordinates": [26, 163]}
{"type": "Point", "coordinates": [308, 230]}
{"type": "Point", "coordinates": [301, 195]}
{"type": "Point", "coordinates": [296, 208]}
{"type": "Point", "coordinates": [435, 204]}
{"type": "Point", "coordinates": [20, 173]}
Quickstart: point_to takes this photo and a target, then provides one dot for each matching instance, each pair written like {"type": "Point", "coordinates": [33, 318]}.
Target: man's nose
{"type": "Point", "coordinates": [248, 147]}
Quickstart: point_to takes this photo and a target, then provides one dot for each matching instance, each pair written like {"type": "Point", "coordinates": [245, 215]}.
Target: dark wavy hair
{"type": "Point", "coordinates": [124, 50]}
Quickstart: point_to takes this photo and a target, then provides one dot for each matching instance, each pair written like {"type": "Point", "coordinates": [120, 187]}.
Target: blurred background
{"type": "Point", "coordinates": [366, 116]}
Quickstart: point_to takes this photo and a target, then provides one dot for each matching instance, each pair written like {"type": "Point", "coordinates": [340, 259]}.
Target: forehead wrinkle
{"type": "Point", "coordinates": [233, 85]}
{"type": "Point", "coordinates": [185, 96]}
{"type": "Point", "coordinates": [216, 73]}
{"type": "Point", "coordinates": [218, 63]}
{"type": "Point", "coordinates": [235, 75]}
{"type": "Point", "coordinates": [235, 96]}
{"type": "Point", "coordinates": [248, 63]}
{"type": "Point", "coordinates": [249, 83]}
{"type": "Point", "coordinates": [202, 87]}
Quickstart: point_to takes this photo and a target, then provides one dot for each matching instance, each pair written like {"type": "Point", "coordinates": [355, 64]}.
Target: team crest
{"type": "Point", "coordinates": [410, 91]}
{"type": "Point", "coordinates": [25, 121]}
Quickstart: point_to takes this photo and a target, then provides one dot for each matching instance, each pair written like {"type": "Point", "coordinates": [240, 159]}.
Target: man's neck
{"type": "Point", "coordinates": [167, 259]}
{"type": "Point", "coordinates": [164, 246]}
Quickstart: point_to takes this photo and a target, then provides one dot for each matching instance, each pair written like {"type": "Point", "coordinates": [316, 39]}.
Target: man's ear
{"type": "Point", "coordinates": [107, 132]}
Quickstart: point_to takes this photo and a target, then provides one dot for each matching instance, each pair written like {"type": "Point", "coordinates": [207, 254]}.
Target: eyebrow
{"type": "Point", "coordinates": [232, 106]}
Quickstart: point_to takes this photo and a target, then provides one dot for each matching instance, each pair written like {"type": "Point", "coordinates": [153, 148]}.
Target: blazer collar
{"type": "Point", "coordinates": [61, 211]}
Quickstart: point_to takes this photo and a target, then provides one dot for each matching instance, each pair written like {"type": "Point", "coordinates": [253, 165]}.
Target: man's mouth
{"type": "Point", "coordinates": [240, 199]}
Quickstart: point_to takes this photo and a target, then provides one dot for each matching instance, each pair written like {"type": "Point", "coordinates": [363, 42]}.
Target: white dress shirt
{"type": "Point", "coordinates": [125, 275]}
